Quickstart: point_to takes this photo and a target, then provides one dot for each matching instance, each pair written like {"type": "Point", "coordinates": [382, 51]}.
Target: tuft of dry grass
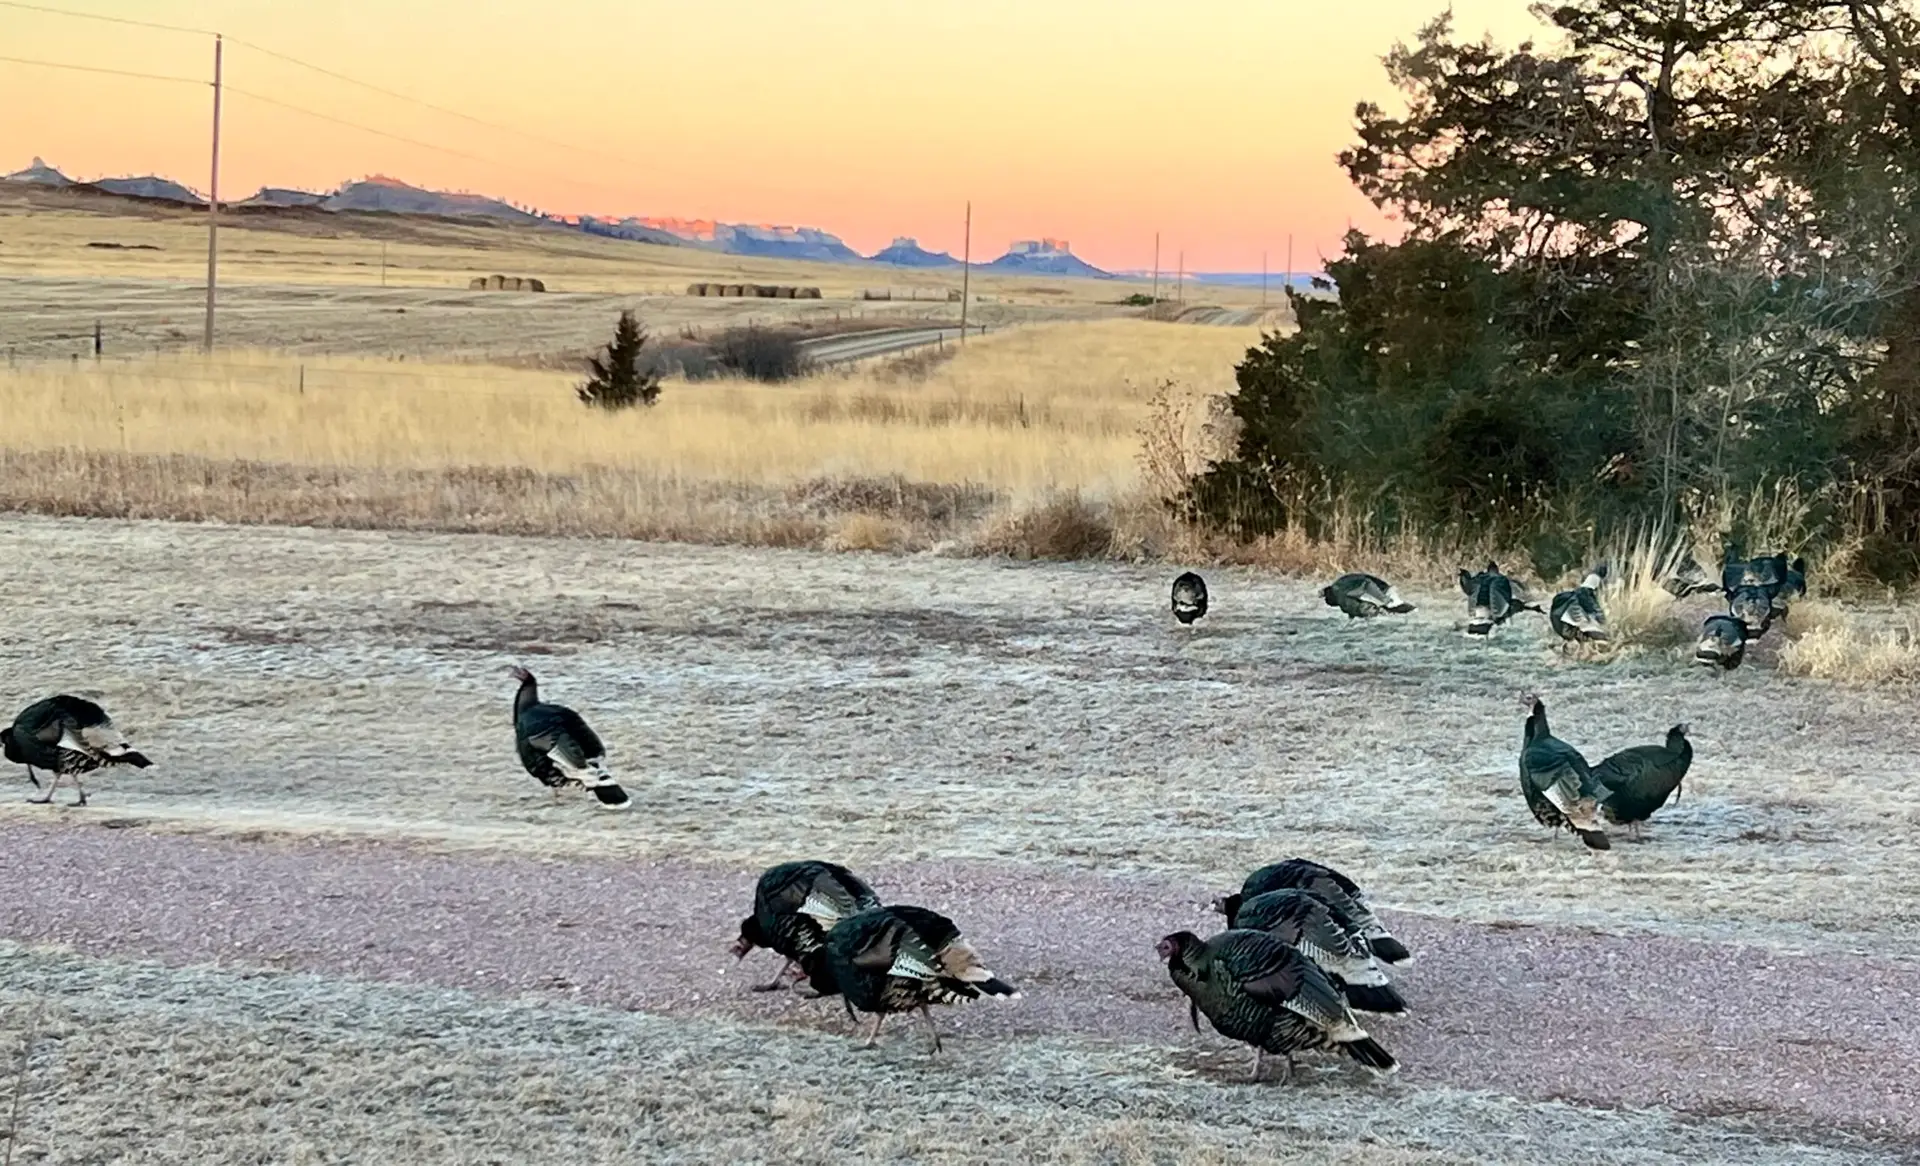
{"type": "Point", "coordinates": [1828, 642]}
{"type": "Point", "coordinates": [1067, 526]}
{"type": "Point", "coordinates": [1641, 613]}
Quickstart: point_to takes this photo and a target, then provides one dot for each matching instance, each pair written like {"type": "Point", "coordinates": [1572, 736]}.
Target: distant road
{"type": "Point", "coordinates": [863, 345]}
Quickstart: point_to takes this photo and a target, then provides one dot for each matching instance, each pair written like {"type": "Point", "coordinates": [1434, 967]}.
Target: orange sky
{"type": "Point", "coordinates": [1100, 121]}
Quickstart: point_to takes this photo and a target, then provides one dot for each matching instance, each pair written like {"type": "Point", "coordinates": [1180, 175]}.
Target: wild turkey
{"type": "Point", "coordinates": [1752, 605]}
{"type": "Point", "coordinates": [1189, 598]}
{"type": "Point", "coordinates": [1363, 596]}
{"type": "Point", "coordinates": [1793, 586]}
{"type": "Point", "coordinates": [67, 736]}
{"type": "Point", "coordinates": [1765, 571]}
{"type": "Point", "coordinates": [1733, 569]}
{"type": "Point", "coordinates": [1299, 874]}
{"type": "Point", "coordinates": [795, 905]}
{"type": "Point", "coordinates": [1723, 642]}
{"type": "Point", "coordinates": [1491, 600]}
{"type": "Point", "coordinates": [1688, 578]}
{"type": "Point", "coordinates": [550, 733]}
{"type": "Point", "coordinates": [1263, 992]}
{"type": "Point", "coordinates": [903, 959]}
{"type": "Point", "coordinates": [1557, 782]}
{"type": "Point", "coordinates": [1576, 615]}
{"type": "Point", "coordinates": [1329, 937]}
{"type": "Point", "coordinates": [1639, 780]}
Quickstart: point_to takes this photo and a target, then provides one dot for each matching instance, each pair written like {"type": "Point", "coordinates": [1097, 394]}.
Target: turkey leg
{"type": "Point", "coordinates": [82, 789]}
{"type": "Point", "coordinates": [933, 1032]}
{"type": "Point", "coordinates": [52, 785]}
{"type": "Point", "coordinates": [873, 1034]}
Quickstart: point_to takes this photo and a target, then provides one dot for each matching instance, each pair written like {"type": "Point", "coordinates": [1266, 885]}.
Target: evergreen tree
{"type": "Point", "coordinates": [615, 379]}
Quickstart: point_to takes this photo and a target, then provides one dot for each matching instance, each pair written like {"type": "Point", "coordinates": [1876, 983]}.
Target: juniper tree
{"type": "Point", "coordinates": [615, 379]}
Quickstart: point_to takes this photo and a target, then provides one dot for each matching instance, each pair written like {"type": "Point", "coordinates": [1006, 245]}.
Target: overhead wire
{"type": "Point", "coordinates": [384, 91]}
{"type": "Point", "coordinates": [105, 19]}
{"type": "Point", "coordinates": [101, 69]}
{"type": "Point", "coordinates": [287, 105]}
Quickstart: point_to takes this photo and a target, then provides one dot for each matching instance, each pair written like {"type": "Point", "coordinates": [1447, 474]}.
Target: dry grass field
{"type": "Point", "coordinates": [893, 454]}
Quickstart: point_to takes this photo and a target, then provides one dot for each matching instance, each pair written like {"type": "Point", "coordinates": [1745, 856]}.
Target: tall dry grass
{"type": "Point", "coordinates": [926, 450]}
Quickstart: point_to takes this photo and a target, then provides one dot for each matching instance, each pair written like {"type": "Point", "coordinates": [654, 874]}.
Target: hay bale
{"type": "Point", "coordinates": [806, 293]}
{"type": "Point", "coordinates": [784, 293]}
{"type": "Point", "coordinates": [496, 282]}
{"type": "Point", "coordinates": [764, 291]}
{"type": "Point", "coordinates": [737, 290]}
{"type": "Point", "coordinates": [477, 283]}
{"type": "Point", "coordinates": [697, 289]}
{"type": "Point", "coordinates": [535, 284]}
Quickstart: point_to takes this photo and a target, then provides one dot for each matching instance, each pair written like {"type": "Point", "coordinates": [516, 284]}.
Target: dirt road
{"type": "Point", "coordinates": [1535, 1012]}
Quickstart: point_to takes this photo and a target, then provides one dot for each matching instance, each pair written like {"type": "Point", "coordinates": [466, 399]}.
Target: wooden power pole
{"type": "Point", "coordinates": [213, 203]}
{"type": "Point", "coordinates": [966, 271]}
{"type": "Point", "coordinates": [1156, 267]}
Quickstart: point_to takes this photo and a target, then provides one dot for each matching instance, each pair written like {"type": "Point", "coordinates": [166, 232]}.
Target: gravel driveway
{"type": "Point", "coordinates": [1535, 1012]}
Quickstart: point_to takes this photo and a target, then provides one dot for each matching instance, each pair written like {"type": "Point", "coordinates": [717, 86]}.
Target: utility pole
{"type": "Point", "coordinates": [966, 271]}
{"type": "Point", "coordinates": [1156, 267]}
{"type": "Point", "coordinates": [213, 202]}
{"type": "Point", "coordinates": [1180, 280]}
{"type": "Point", "coordinates": [1263, 279]}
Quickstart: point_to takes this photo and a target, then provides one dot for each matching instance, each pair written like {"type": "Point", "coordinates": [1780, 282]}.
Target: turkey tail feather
{"type": "Point", "coordinates": [131, 757]}
{"type": "Point", "coordinates": [1368, 1052]}
{"type": "Point", "coordinates": [1374, 997]}
{"type": "Point", "coordinates": [612, 796]}
{"type": "Point", "coordinates": [1595, 839]}
{"type": "Point", "coordinates": [998, 987]}
{"type": "Point", "coordinates": [1389, 950]}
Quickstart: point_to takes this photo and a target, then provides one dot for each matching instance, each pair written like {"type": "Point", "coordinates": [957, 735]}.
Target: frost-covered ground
{"type": "Point", "coordinates": [1033, 749]}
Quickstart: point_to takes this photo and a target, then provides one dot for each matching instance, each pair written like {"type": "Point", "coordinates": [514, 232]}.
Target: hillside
{"type": "Point", "coordinates": [907, 252]}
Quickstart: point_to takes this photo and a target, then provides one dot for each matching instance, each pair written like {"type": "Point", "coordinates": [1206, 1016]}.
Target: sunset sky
{"type": "Point", "coordinates": [1214, 122]}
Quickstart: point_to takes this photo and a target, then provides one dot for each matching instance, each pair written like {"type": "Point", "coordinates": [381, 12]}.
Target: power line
{"type": "Point", "coordinates": [399, 96]}
{"type": "Point", "coordinates": [335, 74]}
{"type": "Point", "coordinates": [99, 69]}
{"type": "Point", "coordinates": [362, 128]}
{"type": "Point", "coordinates": [104, 18]}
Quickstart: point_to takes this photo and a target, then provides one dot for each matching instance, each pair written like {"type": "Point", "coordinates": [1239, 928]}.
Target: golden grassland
{"type": "Point", "coordinates": [1022, 413]}
{"type": "Point", "coordinates": [902, 454]}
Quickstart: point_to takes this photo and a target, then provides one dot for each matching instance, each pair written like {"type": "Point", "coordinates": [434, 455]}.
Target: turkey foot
{"type": "Point", "coordinates": [776, 981]}
{"type": "Point", "coordinates": [931, 1030]}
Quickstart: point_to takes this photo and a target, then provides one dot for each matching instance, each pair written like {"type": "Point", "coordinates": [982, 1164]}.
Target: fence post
{"type": "Point", "coordinates": [303, 380]}
{"type": "Point", "coordinates": [98, 346]}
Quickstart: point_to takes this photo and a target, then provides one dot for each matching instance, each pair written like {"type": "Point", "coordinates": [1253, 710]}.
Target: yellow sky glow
{"type": "Point", "coordinates": [1214, 122]}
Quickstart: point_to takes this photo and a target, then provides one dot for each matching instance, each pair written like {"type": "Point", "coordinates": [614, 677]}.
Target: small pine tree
{"type": "Point", "coordinates": [615, 379]}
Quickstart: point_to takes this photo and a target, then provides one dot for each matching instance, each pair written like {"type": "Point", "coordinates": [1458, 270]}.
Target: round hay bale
{"type": "Point", "coordinates": [806, 293]}
{"type": "Point", "coordinates": [477, 283]}
{"type": "Point", "coordinates": [535, 284]}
